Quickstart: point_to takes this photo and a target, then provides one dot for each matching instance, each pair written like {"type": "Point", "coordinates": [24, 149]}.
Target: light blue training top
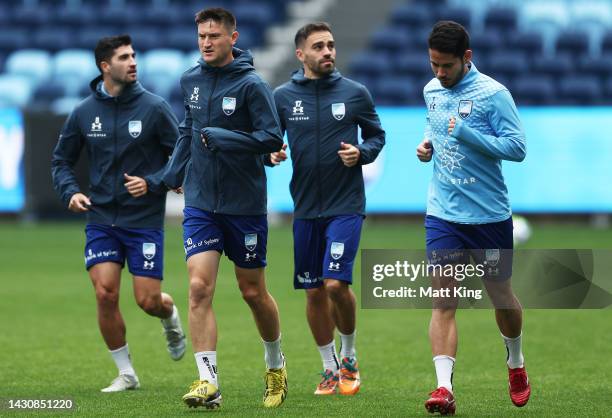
{"type": "Point", "coordinates": [467, 184]}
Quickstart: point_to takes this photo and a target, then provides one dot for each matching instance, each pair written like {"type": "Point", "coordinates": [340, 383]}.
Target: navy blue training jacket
{"type": "Point", "coordinates": [318, 114]}
{"type": "Point", "coordinates": [132, 133]}
{"type": "Point", "coordinates": [234, 108]}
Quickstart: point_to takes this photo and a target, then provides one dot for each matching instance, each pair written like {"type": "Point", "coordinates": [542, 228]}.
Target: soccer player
{"type": "Point", "coordinates": [129, 133]}
{"type": "Point", "coordinates": [320, 110]}
{"type": "Point", "coordinates": [230, 124]}
{"type": "Point", "coordinates": [472, 125]}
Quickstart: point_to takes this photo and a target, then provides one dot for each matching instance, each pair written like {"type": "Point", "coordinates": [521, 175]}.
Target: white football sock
{"type": "Point", "coordinates": [329, 357]}
{"type": "Point", "coordinates": [172, 320]}
{"type": "Point", "coordinates": [444, 371]}
{"type": "Point", "coordinates": [348, 344]}
{"type": "Point", "coordinates": [515, 354]}
{"type": "Point", "coordinates": [273, 354]}
{"type": "Point", "coordinates": [123, 360]}
{"type": "Point", "coordinates": [207, 366]}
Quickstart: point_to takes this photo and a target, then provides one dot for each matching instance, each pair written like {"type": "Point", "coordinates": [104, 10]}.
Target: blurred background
{"type": "Point", "coordinates": [555, 56]}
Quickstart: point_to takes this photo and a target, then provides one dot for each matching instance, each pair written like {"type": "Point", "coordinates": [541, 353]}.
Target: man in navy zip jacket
{"type": "Point", "coordinates": [129, 134]}
{"type": "Point", "coordinates": [230, 124]}
{"type": "Point", "coordinates": [320, 111]}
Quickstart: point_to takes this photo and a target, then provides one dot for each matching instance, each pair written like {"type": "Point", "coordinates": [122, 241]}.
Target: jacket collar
{"type": "Point", "coordinates": [298, 77]}
{"type": "Point", "coordinates": [243, 62]}
{"type": "Point", "coordinates": [129, 93]}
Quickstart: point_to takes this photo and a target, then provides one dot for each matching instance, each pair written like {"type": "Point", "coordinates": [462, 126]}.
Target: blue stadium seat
{"type": "Point", "coordinates": [608, 92]}
{"type": "Point", "coordinates": [507, 64]}
{"type": "Point", "coordinates": [553, 66]}
{"type": "Point", "coordinates": [73, 68]}
{"type": "Point", "coordinates": [161, 70]}
{"type": "Point", "coordinates": [13, 38]}
{"type": "Point", "coordinates": [81, 16]}
{"type": "Point", "coordinates": [145, 37]}
{"type": "Point", "coordinates": [412, 16]}
{"type": "Point", "coordinates": [533, 90]}
{"type": "Point", "coordinates": [412, 64]}
{"type": "Point", "coordinates": [89, 36]}
{"type": "Point", "coordinates": [457, 14]}
{"type": "Point", "coordinates": [163, 16]}
{"type": "Point", "coordinates": [15, 90]}
{"type": "Point", "coordinates": [502, 19]}
{"type": "Point", "coordinates": [580, 90]}
{"type": "Point", "coordinates": [33, 63]}
{"type": "Point", "coordinates": [598, 67]}
{"type": "Point", "coordinates": [396, 91]}
{"type": "Point", "coordinates": [370, 64]}
{"type": "Point", "coordinates": [529, 42]}
{"type": "Point", "coordinates": [46, 93]}
{"type": "Point", "coordinates": [53, 38]}
{"type": "Point", "coordinates": [30, 16]}
{"type": "Point", "coordinates": [606, 43]}
{"type": "Point", "coordinates": [181, 37]}
{"type": "Point", "coordinates": [254, 13]}
{"type": "Point", "coordinates": [486, 42]}
{"type": "Point", "coordinates": [250, 37]}
{"type": "Point", "coordinates": [573, 43]}
{"type": "Point", "coordinates": [391, 39]}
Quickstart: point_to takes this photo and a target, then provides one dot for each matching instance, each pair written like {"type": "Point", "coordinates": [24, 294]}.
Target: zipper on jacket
{"type": "Point", "coordinates": [116, 164]}
{"type": "Point", "coordinates": [215, 163]}
{"type": "Point", "coordinates": [318, 148]}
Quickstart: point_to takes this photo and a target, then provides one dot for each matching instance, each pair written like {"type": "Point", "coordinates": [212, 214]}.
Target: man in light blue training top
{"type": "Point", "coordinates": [472, 125]}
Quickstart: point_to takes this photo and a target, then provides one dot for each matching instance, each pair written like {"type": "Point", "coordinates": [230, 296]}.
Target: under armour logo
{"type": "Point", "coordinates": [334, 266]}
{"type": "Point", "coordinates": [96, 126]}
{"type": "Point", "coordinates": [298, 109]}
{"type": "Point", "coordinates": [195, 95]}
{"type": "Point", "coordinates": [250, 256]}
{"type": "Point", "coordinates": [148, 265]}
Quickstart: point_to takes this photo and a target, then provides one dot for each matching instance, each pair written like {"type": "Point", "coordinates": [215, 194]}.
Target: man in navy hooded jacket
{"type": "Point", "coordinates": [320, 110]}
{"type": "Point", "coordinates": [230, 124]}
{"type": "Point", "coordinates": [129, 134]}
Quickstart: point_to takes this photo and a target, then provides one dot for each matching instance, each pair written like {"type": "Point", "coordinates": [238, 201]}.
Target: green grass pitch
{"type": "Point", "coordinates": [50, 347]}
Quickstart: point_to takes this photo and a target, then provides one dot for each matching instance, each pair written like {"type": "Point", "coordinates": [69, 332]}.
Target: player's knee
{"type": "Point", "coordinates": [107, 298]}
{"type": "Point", "coordinates": [316, 296]}
{"type": "Point", "coordinates": [443, 313]}
{"type": "Point", "coordinates": [200, 292]}
{"type": "Point", "coordinates": [252, 294]}
{"type": "Point", "coordinates": [150, 304]}
{"type": "Point", "coordinates": [336, 289]}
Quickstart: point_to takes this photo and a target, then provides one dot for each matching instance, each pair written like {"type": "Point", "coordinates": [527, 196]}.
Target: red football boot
{"type": "Point", "coordinates": [442, 401]}
{"type": "Point", "coordinates": [519, 386]}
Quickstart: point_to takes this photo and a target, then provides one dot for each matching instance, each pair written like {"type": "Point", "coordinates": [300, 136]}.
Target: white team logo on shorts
{"type": "Point", "coordinates": [492, 256]}
{"type": "Point", "coordinates": [336, 250]}
{"type": "Point", "coordinates": [465, 108]}
{"type": "Point", "coordinates": [338, 110]}
{"type": "Point", "coordinates": [229, 105]}
{"type": "Point", "coordinates": [250, 241]}
{"type": "Point", "coordinates": [148, 250]}
{"type": "Point", "coordinates": [135, 127]}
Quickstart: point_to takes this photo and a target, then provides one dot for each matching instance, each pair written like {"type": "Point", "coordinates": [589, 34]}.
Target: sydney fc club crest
{"type": "Point", "coordinates": [336, 250]}
{"type": "Point", "coordinates": [148, 250]}
{"type": "Point", "coordinates": [338, 110]}
{"type": "Point", "coordinates": [229, 105]}
{"type": "Point", "coordinates": [465, 108]}
{"type": "Point", "coordinates": [135, 127]}
{"type": "Point", "coordinates": [250, 241]}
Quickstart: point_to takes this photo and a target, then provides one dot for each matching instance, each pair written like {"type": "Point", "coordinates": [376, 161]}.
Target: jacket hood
{"type": "Point", "coordinates": [243, 62]}
{"type": "Point", "coordinates": [299, 78]}
{"type": "Point", "coordinates": [129, 93]}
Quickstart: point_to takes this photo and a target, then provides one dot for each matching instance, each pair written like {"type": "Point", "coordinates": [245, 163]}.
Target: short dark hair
{"type": "Point", "coordinates": [449, 37]}
{"type": "Point", "coordinates": [218, 15]}
{"type": "Point", "coordinates": [305, 31]}
{"type": "Point", "coordinates": [105, 48]}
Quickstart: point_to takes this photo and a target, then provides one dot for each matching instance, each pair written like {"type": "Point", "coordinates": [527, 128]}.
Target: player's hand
{"type": "Point", "coordinates": [349, 154]}
{"type": "Point", "coordinates": [204, 139]}
{"type": "Point", "coordinates": [137, 186]}
{"type": "Point", "coordinates": [79, 203]}
{"type": "Point", "coordinates": [451, 125]}
{"type": "Point", "coordinates": [278, 157]}
{"type": "Point", "coordinates": [424, 151]}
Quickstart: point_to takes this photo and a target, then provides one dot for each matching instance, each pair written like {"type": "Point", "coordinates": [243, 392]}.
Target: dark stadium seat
{"type": "Point", "coordinates": [13, 38]}
{"type": "Point", "coordinates": [53, 38]}
{"type": "Point", "coordinates": [255, 13]}
{"type": "Point", "coordinates": [82, 16]}
{"type": "Point", "coordinates": [573, 42]}
{"type": "Point", "coordinates": [181, 37]}
{"type": "Point", "coordinates": [412, 16]}
{"type": "Point", "coordinates": [501, 19]}
{"type": "Point", "coordinates": [507, 63]}
{"type": "Point", "coordinates": [163, 16]}
{"type": "Point", "coordinates": [391, 39]}
{"type": "Point", "coordinates": [370, 64]}
{"type": "Point", "coordinates": [146, 37]}
{"type": "Point", "coordinates": [250, 37]}
{"type": "Point", "coordinates": [30, 15]}
{"type": "Point", "coordinates": [88, 36]}
{"type": "Point", "coordinates": [598, 67]}
{"type": "Point", "coordinates": [579, 90]}
{"type": "Point", "coordinates": [398, 91]}
{"type": "Point", "coordinates": [606, 43]}
{"type": "Point", "coordinates": [47, 92]}
{"type": "Point", "coordinates": [412, 64]}
{"type": "Point", "coordinates": [553, 66]}
{"type": "Point", "coordinates": [530, 42]}
{"type": "Point", "coordinates": [458, 14]}
{"type": "Point", "coordinates": [487, 42]}
{"type": "Point", "coordinates": [533, 90]}
{"type": "Point", "coordinates": [608, 92]}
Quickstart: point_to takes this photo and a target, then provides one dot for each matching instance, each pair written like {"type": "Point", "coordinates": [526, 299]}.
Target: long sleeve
{"type": "Point", "coordinates": [509, 140]}
{"type": "Point", "coordinates": [265, 137]}
{"type": "Point", "coordinates": [65, 156]}
{"type": "Point", "coordinates": [167, 129]}
{"type": "Point", "coordinates": [174, 172]}
{"type": "Point", "coordinates": [372, 132]}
